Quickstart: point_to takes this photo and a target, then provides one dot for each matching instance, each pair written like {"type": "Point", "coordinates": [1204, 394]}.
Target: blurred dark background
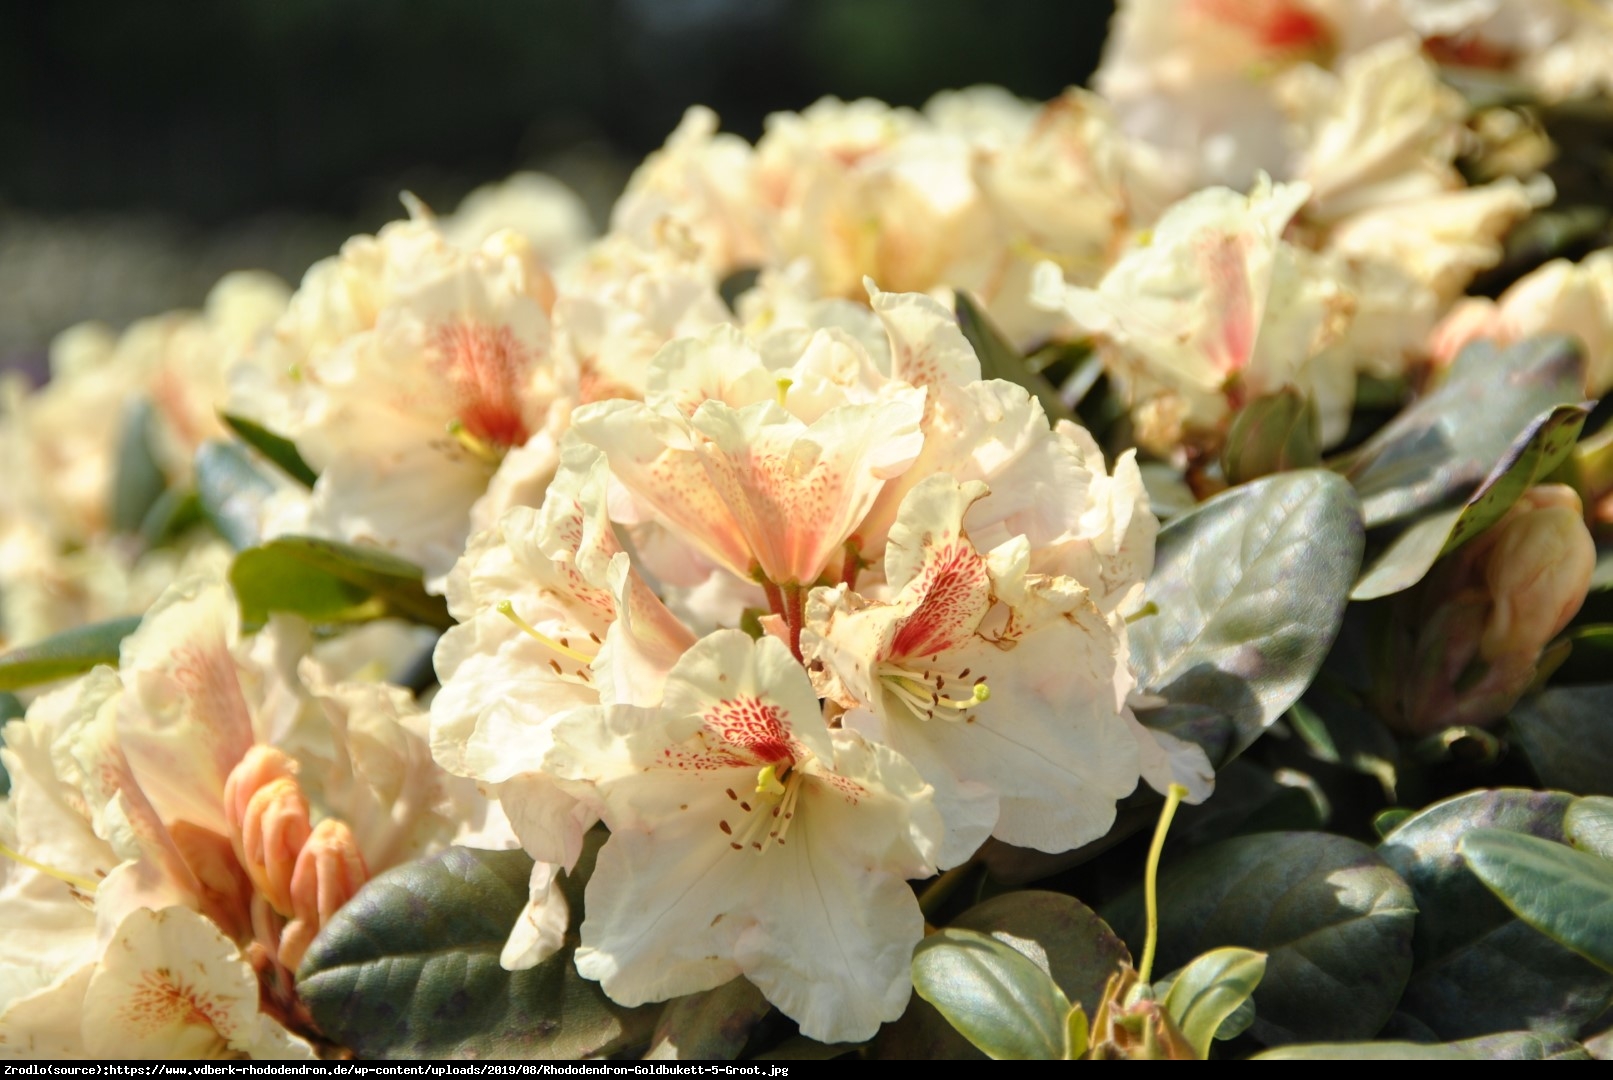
{"type": "Point", "coordinates": [145, 149]}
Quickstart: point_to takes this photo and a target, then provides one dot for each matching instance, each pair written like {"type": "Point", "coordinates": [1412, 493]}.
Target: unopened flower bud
{"type": "Point", "coordinates": [329, 872]}
{"type": "Point", "coordinates": [270, 836]}
{"type": "Point", "coordinates": [1538, 571]}
{"type": "Point", "coordinates": [1471, 319]}
{"type": "Point", "coordinates": [259, 766]}
{"type": "Point", "coordinates": [1477, 625]}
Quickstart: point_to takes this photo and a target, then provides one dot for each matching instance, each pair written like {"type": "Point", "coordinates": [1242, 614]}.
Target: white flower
{"type": "Point", "coordinates": [747, 838]}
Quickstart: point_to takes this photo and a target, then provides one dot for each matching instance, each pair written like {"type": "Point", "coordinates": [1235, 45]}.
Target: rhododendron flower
{"type": "Point", "coordinates": [1006, 689]}
{"type": "Point", "coordinates": [747, 838]}
{"type": "Point", "coordinates": [1212, 309]}
{"type": "Point", "coordinates": [162, 822]}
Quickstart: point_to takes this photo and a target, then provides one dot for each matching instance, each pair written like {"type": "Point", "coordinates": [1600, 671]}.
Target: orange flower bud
{"type": "Point", "coordinates": [329, 872]}
{"type": "Point", "coordinates": [1538, 571]}
{"type": "Point", "coordinates": [271, 836]}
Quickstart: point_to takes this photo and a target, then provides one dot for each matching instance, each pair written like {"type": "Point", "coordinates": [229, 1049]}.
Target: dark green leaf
{"type": "Point", "coordinates": [1000, 360]}
{"type": "Point", "coordinates": [1477, 968]}
{"type": "Point", "coordinates": [10, 709]}
{"type": "Point", "coordinates": [409, 969]}
{"type": "Point", "coordinates": [1333, 920]}
{"type": "Point", "coordinates": [278, 449]}
{"type": "Point", "coordinates": [1341, 731]}
{"type": "Point", "coordinates": [1587, 657]}
{"type": "Point", "coordinates": [709, 1026]}
{"type": "Point", "coordinates": [231, 490]}
{"type": "Point", "coordinates": [325, 581]}
{"type": "Point", "coordinates": [994, 995]}
{"type": "Point", "coordinates": [1565, 894]}
{"type": "Point", "coordinates": [1442, 446]}
{"type": "Point", "coordinates": [71, 652]}
{"type": "Point", "coordinates": [1387, 821]}
{"type": "Point", "coordinates": [1567, 736]}
{"type": "Point", "coordinates": [1233, 633]}
{"type": "Point", "coordinates": [1208, 991]}
{"type": "Point", "coordinates": [1589, 825]}
{"type": "Point", "coordinates": [1080, 950]}
{"type": "Point", "coordinates": [801, 1048]}
{"type": "Point", "coordinates": [1274, 433]}
{"type": "Point", "coordinates": [1543, 446]}
{"type": "Point", "coordinates": [139, 480]}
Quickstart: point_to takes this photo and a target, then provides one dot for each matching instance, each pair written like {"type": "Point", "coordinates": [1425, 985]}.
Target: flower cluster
{"type": "Point", "coordinates": [756, 544]}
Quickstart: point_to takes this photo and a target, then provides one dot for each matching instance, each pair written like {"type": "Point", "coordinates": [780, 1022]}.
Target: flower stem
{"type": "Point", "coordinates": [795, 614]}
{"type": "Point", "coordinates": [1173, 799]}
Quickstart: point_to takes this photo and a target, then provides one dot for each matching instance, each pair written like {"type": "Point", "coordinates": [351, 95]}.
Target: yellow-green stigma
{"type": "Point", "coordinates": [782, 387]}
{"type": "Point", "coordinates": [767, 781]}
{"type": "Point", "coordinates": [507, 609]}
{"type": "Point", "coordinates": [83, 883]}
{"type": "Point", "coordinates": [480, 449]}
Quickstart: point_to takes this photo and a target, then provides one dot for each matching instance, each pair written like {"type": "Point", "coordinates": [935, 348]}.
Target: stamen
{"type": "Point", "coordinates": [782, 386]}
{"type": "Point", "coordinates": [84, 883]}
{"type": "Point", "coordinates": [477, 448]}
{"type": "Point", "coordinates": [507, 609]}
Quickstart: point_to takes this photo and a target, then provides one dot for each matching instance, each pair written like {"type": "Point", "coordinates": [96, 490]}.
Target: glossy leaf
{"type": "Point", "coordinates": [1334, 921]}
{"type": "Point", "coordinates": [1232, 632]}
{"type": "Point", "coordinates": [1477, 968]}
{"type": "Point", "coordinates": [990, 992]}
{"type": "Point", "coordinates": [710, 1026]}
{"type": "Point", "coordinates": [175, 511]}
{"type": "Point", "coordinates": [1589, 825]}
{"type": "Point", "coordinates": [1208, 991]}
{"type": "Point", "coordinates": [1566, 735]}
{"type": "Point", "coordinates": [138, 480]}
{"type": "Point", "coordinates": [1078, 948]}
{"type": "Point", "coordinates": [410, 969]}
{"type": "Point", "coordinates": [71, 652]}
{"type": "Point", "coordinates": [1543, 446]}
{"type": "Point", "coordinates": [1565, 894]}
{"type": "Point", "coordinates": [1444, 445]}
{"type": "Point", "coordinates": [325, 581]}
{"type": "Point", "coordinates": [277, 448]}
{"type": "Point", "coordinates": [1000, 360]}
{"type": "Point", "coordinates": [1274, 433]}
{"type": "Point", "coordinates": [231, 491]}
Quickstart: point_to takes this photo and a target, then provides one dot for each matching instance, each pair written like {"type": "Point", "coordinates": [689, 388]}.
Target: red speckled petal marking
{"type": "Point", "coordinates": [952, 593]}
{"type": "Point", "coordinates": [485, 368]}
{"type": "Point", "coordinates": [754, 728]}
{"type": "Point", "coordinates": [161, 1000]}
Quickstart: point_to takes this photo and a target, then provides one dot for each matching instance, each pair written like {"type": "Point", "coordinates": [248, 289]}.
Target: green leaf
{"type": "Point", "coordinates": [1334, 922]}
{"type": "Point", "coordinates": [1589, 825]}
{"type": "Point", "coordinates": [995, 996]}
{"type": "Point", "coordinates": [325, 581]}
{"type": "Point", "coordinates": [1444, 445]}
{"type": "Point", "coordinates": [1078, 948]}
{"type": "Point", "coordinates": [1477, 968]}
{"type": "Point", "coordinates": [175, 511]}
{"type": "Point", "coordinates": [710, 1026]}
{"type": "Point", "coordinates": [1566, 736]}
{"type": "Point", "coordinates": [1543, 446]}
{"type": "Point", "coordinates": [1274, 433]}
{"type": "Point", "coordinates": [1505, 1046]}
{"type": "Point", "coordinates": [1565, 894]}
{"type": "Point", "coordinates": [71, 652]}
{"type": "Point", "coordinates": [1077, 1033]}
{"type": "Point", "coordinates": [277, 448]}
{"type": "Point", "coordinates": [1233, 633]}
{"type": "Point", "coordinates": [1341, 731]}
{"type": "Point", "coordinates": [139, 480]}
{"type": "Point", "coordinates": [10, 709]}
{"type": "Point", "coordinates": [409, 969]}
{"type": "Point", "coordinates": [1587, 658]}
{"type": "Point", "coordinates": [1203, 995]}
{"type": "Point", "coordinates": [1000, 360]}
{"type": "Point", "coordinates": [231, 490]}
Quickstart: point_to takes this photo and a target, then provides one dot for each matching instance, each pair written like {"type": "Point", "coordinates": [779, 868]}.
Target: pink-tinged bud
{"type": "Point", "coordinates": [1473, 631]}
{"type": "Point", "coordinates": [272, 835]}
{"type": "Point", "coordinates": [1538, 571]}
{"type": "Point", "coordinates": [329, 872]}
